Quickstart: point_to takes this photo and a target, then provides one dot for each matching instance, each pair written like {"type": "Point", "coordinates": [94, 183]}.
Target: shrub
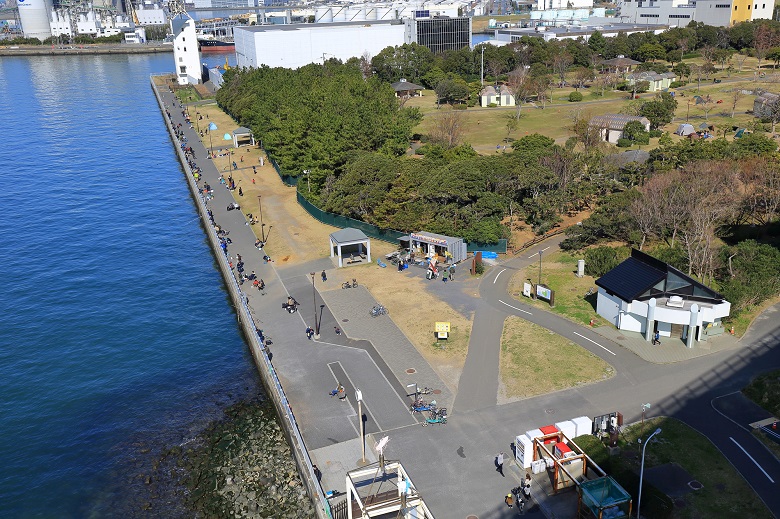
{"type": "Point", "coordinates": [600, 260]}
{"type": "Point", "coordinates": [479, 268]}
{"type": "Point", "coordinates": [459, 106]}
{"type": "Point", "coordinates": [575, 97]}
{"type": "Point", "coordinates": [655, 133]}
{"type": "Point", "coordinates": [677, 84]}
{"type": "Point", "coordinates": [492, 105]}
{"type": "Point", "coordinates": [624, 143]}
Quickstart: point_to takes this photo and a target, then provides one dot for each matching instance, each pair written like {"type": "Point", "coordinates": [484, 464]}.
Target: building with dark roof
{"type": "Point", "coordinates": [405, 88]}
{"type": "Point", "coordinates": [646, 295]}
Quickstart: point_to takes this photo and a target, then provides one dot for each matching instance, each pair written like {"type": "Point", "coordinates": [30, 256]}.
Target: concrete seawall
{"type": "Point", "coordinates": [259, 353]}
{"type": "Point", "coordinates": [74, 50]}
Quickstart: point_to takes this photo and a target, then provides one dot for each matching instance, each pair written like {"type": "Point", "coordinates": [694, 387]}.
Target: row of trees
{"type": "Point", "coordinates": [716, 45]}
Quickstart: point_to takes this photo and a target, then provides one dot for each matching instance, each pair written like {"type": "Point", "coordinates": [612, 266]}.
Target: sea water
{"type": "Point", "coordinates": [118, 339]}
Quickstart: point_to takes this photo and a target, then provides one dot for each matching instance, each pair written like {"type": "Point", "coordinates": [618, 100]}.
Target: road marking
{"type": "Point", "coordinates": [537, 253]}
{"type": "Point", "coordinates": [502, 271]}
{"type": "Point", "coordinates": [751, 459]}
{"type": "Point", "coordinates": [516, 308]}
{"type": "Point", "coordinates": [594, 342]}
{"type": "Point", "coordinates": [770, 432]}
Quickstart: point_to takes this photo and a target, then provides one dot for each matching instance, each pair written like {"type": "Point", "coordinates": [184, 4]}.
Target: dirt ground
{"type": "Point", "coordinates": [294, 237]}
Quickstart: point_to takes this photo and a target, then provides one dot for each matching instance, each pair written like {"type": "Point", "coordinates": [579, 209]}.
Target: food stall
{"type": "Point", "coordinates": [428, 244]}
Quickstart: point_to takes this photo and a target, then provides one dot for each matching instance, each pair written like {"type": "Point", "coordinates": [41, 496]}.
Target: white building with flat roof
{"type": "Point", "coordinates": [293, 46]}
{"type": "Point", "coordinates": [718, 13]}
{"type": "Point", "coordinates": [185, 50]}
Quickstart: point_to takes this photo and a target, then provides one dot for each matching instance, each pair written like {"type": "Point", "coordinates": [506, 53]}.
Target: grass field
{"type": "Point", "coordinates": [536, 361]}
{"type": "Point", "coordinates": [724, 494]}
{"type": "Point", "coordinates": [558, 271]}
{"type": "Point", "coordinates": [486, 127]}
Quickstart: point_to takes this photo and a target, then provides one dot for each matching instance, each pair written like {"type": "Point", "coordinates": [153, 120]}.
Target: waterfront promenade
{"type": "Point", "coordinates": [452, 466]}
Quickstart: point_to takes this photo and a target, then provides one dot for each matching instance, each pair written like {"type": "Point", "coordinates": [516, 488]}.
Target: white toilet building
{"type": "Point", "coordinates": [646, 295]}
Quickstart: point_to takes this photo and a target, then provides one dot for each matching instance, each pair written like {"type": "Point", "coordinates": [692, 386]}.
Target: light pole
{"type": "Point", "coordinates": [228, 137]}
{"type": "Point", "coordinates": [540, 269]}
{"type": "Point", "coordinates": [307, 172]}
{"type": "Point", "coordinates": [359, 396]}
{"type": "Point", "coordinates": [642, 472]}
{"type": "Point", "coordinates": [212, 127]}
{"type": "Point", "coordinates": [645, 407]}
{"type": "Point", "coordinates": [314, 304]}
{"type": "Point", "coordinates": [415, 390]}
{"type": "Point", "coordinates": [262, 225]}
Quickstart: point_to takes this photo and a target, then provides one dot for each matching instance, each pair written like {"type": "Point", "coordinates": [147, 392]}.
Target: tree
{"type": "Point", "coordinates": [451, 90]}
{"type": "Point", "coordinates": [635, 132]}
{"type": "Point", "coordinates": [752, 274]}
{"type": "Point", "coordinates": [736, 95]}
{"type": "Point", "coordinates": [651, 52]}
{"type": "Point", "coordinates": [682, 70]}
{"type": "Point", "coordinates": [722, 57]}
{"type": "Point", "coordinates": [761, 182]}
{"type": "Point", "coordinates": [561, 63]}
{"type": "Point", "coordinates": [763, 41]}
{"type": "Point", "coordinates": [774, 55]}
{"type": "Point", "coordinates": [597, 42]}
{"type": "Point", "coordinates": [448, 128]}
{"type": "Point", "coordinates": [660, 111]}
{"type": "Point", "coordinates": [600, 260]}
{"type": "Point", "coordinates": [521, 86]}
{"type": "Point", "coordinates": [740, 58]}
{"type": "Point", "coordinates": [582, 76]}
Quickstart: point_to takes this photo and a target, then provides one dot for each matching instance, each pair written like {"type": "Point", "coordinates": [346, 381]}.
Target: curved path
{"type": "Point", "coordinates": [699, 392]}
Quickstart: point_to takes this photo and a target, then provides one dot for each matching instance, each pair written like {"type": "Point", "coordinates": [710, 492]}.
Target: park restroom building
{"type": "Point", "coordinates": [646, 295]}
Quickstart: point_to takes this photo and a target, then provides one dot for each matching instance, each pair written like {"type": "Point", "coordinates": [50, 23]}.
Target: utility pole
{"type": "Point", "coordinates": [482, 70]}
{"type": "Point", "coordinates": [262, 225]}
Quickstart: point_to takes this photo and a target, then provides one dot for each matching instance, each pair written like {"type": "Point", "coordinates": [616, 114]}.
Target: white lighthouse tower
{"type": "Point", "coordinates": [185, 44]}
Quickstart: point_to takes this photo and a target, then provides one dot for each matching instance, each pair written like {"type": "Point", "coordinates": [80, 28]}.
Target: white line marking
{"type": "Point", "coordinates": [516, 308]}
{"type": "Point", "coordinates": [502, 271]}
{"type": "Point", "coordinates": [751, 459]}
{"type": "Point", "coordinates": [535, 254]}
{"type": "Point", "coordinates": [770, 432]}
{"type": "Point", "coordinates": [594, 342]}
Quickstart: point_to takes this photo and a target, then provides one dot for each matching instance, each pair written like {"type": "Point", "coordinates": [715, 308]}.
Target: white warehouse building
{"type": "Point", "coordinates": [294, 46]}
{"type": "Point", "coordinates": [718, 13]}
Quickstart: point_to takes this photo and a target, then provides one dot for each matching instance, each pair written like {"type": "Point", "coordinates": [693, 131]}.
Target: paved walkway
{"type": "Point", "coordinates": [670, 350]}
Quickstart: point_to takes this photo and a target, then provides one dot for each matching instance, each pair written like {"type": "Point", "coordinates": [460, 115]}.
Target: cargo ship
{"type": "Point", "coordinates": [213, 45]}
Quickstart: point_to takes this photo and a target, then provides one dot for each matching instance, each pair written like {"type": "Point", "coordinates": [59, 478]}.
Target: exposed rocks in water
{"type": "Point", "coordinates": [239, 467]}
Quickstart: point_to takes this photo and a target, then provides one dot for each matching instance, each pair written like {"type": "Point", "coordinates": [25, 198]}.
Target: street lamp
{"type": "Point", "coordinates": [540, 268]}
{"type": "Point", "coordinates": [228, 137]}
{"type": "Point", "coordinates": [212, 127]}
{"type": "Point", "coordinates": [645, 407]}
{"type": "Point", "coordinates": [262, 225]}
{"type": "Point", "coordinates": [415, 389]}
{"type": "Point", "coordinates": [314, 305]}
{"type": "Point", "coordinates": [307, 172]}
{"type": "Point", "coordinates": [642, 471]}
{"type": "Point", "coordinates": [359, 396]}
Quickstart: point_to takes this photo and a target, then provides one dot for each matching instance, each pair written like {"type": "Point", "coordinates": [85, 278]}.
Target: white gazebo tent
{"type": "Point", "coordinates": [242, 133]}
{"type": "Point", "coordinates": [347, 237]}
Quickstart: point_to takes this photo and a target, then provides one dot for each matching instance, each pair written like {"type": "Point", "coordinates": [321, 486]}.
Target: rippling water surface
{"type": "Point", "coordinates": [117, 337]}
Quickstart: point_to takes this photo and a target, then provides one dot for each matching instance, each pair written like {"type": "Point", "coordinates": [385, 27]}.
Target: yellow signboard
{"type": "Point", "coordinates": [442, 329]}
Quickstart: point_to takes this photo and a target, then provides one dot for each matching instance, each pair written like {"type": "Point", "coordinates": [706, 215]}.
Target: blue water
{"type": "Point", "coordinates": [117, 337]}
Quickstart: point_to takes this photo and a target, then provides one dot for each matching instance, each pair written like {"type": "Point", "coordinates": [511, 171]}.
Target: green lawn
{"type": "Point", "coordinates": [536, 361]}
{"type": "Point", "coordinates": [724, 494]}
{"type": "Point", "coordinates": [558, 271]}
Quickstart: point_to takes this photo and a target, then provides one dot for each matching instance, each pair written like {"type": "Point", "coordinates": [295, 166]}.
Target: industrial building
{"type": "Point", "coordinates": [574, 31]}
{"type": "Point", "coordinates": [718, 13]}
{"type": "Point", "coordinates": [293, 46]}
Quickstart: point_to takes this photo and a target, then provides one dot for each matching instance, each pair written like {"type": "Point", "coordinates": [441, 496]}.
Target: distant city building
{"type": "Point", "coordinates": [718, 13]}
{"type": "Point", "coordinates": [440, 34]}
{"type": "Point", "coordinates": [562, 4]}
{"type": "Point", "coordinates": [572, 32]}
{"type": "Point", "coordinates": [293, 46]}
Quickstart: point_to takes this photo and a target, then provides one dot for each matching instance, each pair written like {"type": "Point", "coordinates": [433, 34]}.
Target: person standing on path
{"type": "Point", "coordinates": [509, 500]}
{"type": "Point", "coordinates": [500, 464]}
{"type": "Point", "coordinates": [452, 272]}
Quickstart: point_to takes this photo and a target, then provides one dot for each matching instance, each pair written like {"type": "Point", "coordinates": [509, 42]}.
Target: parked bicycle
{"type": "Point", "coordinates": [378, 310]}
{"type": "Point", "coordinates": [347, 284]}
{"type": "Point", "coordinates": [425, 391]}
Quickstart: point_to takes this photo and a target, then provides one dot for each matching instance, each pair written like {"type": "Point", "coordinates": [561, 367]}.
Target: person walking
{"type": "Point", "coordinates": [500, 464]}
{"type": "Point", "coordinates": [656, 338]}
{"type": "Point", "coordinates": [452, 272]}
{"type": "Point", "coordinates": [324, 276]}
{"type": "Point", "coordinates": [509, 500]}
